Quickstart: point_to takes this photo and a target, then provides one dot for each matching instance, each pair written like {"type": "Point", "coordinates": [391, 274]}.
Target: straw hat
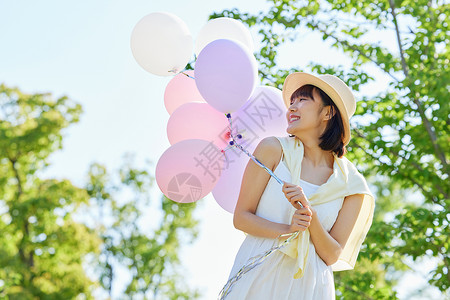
{"type": "Point", "coordinates": [335, 88]}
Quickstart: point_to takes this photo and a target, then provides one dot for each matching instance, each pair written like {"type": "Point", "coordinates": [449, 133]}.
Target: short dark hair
{"type": "Point", "coordinates": [332, 137]}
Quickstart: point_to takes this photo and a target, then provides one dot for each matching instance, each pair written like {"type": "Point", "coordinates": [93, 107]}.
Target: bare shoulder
{"type": "Point", "coordinates": [255, 178]}
{"type": "Point", "coordinates": [268, 151]}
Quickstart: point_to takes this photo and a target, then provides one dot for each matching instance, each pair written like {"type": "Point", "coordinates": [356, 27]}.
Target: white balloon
{"type": "Point", "coordinates": [223, 28]}
{"type": "Point", "coordinates": [161, 43]}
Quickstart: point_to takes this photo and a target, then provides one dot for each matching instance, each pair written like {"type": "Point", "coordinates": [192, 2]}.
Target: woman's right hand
{"type": "Point", "coordinates": [301, 219]}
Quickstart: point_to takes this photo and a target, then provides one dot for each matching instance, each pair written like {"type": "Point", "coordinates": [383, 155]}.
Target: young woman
{"type": "Point", "coordinates": [324, 198]}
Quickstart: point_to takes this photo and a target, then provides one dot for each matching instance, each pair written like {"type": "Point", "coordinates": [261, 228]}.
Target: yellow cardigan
{"type": "Point", "coordinates": [345, 181]}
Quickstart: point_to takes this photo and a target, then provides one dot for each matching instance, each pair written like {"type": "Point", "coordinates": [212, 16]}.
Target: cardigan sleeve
{"type": "Point", "coordinates": [356, 184]}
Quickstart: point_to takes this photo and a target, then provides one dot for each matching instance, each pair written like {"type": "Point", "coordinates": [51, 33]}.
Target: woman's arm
{"type": "Point", "coordinates": [329, 245]}
{"type": "Point", "coordinates": [254, 182]}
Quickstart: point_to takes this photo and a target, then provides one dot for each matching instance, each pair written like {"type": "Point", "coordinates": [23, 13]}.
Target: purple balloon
{"type": "Point", "coordinates": [226, 74]}
{"type": "Point", "coordinates": [226, 191]}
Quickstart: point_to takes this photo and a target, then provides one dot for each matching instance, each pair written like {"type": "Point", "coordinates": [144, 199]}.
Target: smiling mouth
{"type": "Point", "coordinates": [293, 120]}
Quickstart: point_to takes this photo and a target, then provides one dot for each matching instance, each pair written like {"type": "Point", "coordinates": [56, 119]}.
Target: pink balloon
{"type": "Point", "coordinates": [181, 89]}
{"type": "Point", "coordinates": [226, 74]}
{"type": "Point", "coordinates": [198, 121]}
{"type": "Point", "coordinates": [189, 170]}
{"type": "Point", "coordinates": [264, 113]}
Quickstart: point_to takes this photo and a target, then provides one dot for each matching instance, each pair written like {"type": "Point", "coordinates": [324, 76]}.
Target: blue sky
{"type": "Point", "coordinates": [82, 49]}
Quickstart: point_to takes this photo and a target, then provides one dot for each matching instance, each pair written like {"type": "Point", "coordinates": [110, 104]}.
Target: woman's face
{"type": "Point", "coordinates": [307, 116]}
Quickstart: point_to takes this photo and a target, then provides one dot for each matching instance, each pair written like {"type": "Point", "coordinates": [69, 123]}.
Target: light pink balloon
{"type": "Point", "coordinates": [181, 89]}
{"type": "Point", "coordinates": [189, 170]}
{"type": "Point", "coordinates": [198, 121]}
{"type": "Point", "coordinates": [264, 113]}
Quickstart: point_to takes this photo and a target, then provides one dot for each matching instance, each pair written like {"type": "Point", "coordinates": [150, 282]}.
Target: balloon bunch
{"type": "Point", "coordinates": [209, 147]}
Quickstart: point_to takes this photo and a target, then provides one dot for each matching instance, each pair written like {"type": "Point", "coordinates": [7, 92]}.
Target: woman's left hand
{"type": "Point", "coordinates": [295, 195]}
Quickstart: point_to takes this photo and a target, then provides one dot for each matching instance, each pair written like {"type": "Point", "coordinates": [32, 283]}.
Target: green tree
{"type": "Point", "coordinates": [151, 255]}
{"type": "Point", "coordinates": [42, 248]}
{"type": "Point", "coordinates": [51, 230]}
{"type": "Point", "coordinates": [400, 134]}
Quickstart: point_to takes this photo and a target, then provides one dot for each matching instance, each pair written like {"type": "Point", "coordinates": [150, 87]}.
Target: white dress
{"type": "Point", "coordinates": [274, 278]}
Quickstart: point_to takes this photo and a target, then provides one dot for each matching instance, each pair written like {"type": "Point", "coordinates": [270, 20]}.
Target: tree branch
{"type": "Point", "coordinates": [402, 54]}
{"type": "Point", "coordinates": [394, 153]}
{"type": "Point", "coordinates": [430, 130]}
{"type": "Point", "coordinates": [432, 134]}
{"type": "Point", "coordinates": [27, 259]}
{"type": "Point", "coordinates": [19, 182]}
{"type": "Point", "coordinates": [352, 47]}
{"type": "Point", "coordinates": [384, 26]}
{"type": "Point", "coordinates": [424, 191]}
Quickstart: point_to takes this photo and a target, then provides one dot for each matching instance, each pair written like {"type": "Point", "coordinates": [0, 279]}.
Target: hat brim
{"type": "Point", "coordinates": [296, 80]}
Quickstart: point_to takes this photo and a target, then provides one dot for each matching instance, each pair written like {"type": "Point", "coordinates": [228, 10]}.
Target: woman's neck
{"type": "Point", "coordinates": [316, 156]}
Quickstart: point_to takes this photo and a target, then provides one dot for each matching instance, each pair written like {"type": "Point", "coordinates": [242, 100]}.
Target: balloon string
{"type": "Point", "coordinates": [258, 259]}
{"type": "Point", "coordinates": [174, 71]}
{"type": "Point", "coordinates": [254, 262]}
{"type": "Point", "coordinates": [237, 145]}
{"type": "Point", "coordinates": [227, 148]}
{"type": "Point", "coordinates": [186, 74]}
